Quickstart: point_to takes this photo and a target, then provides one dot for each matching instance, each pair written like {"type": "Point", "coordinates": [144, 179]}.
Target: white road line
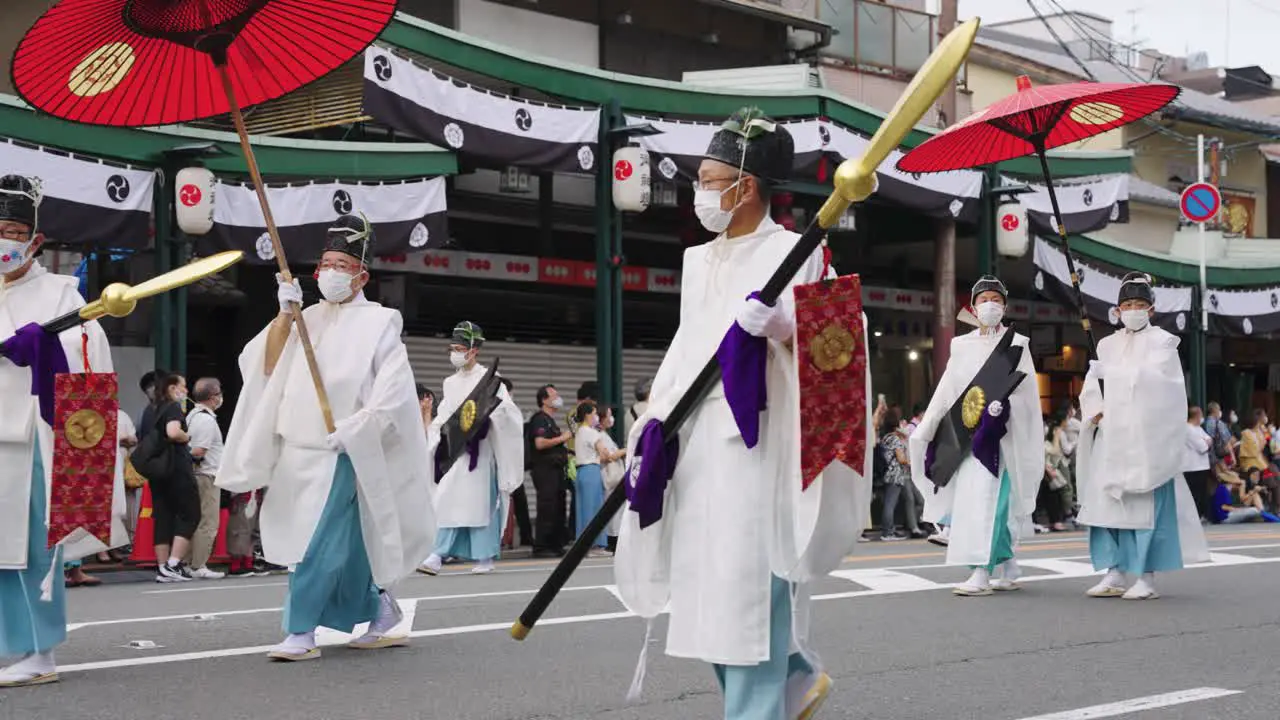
{"type": "Point", "coordinates": [1151, 702]}
{"type": "Point", "coordinates": [1065, 568]}
{"type": "Point", "coordinates": [205, 587]}
{"type": "Point", "coordinates": [276, 609]}
{"type": "Point", "coordinates": [886, 580]}
{"type": "Point", "coordinates": [262, 649]}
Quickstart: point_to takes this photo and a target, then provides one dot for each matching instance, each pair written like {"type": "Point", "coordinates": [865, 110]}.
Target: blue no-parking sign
{"type": "Point", "coordinates": [1200, 202]}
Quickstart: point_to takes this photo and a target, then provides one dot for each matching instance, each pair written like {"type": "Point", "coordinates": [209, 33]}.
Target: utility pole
{"type": "Point", "coordinates": [944, 276]}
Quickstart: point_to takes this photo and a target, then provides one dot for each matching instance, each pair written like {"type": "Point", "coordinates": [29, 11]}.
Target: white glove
{"type": "Point", "coordinates": [1096, 370]}
{"type": "Point", "coordinates": [763, 321]}
{"type": "Point", "coordinates": [288, 293]}
{"type": "Point", "coordinates": [251, 507]}
{"type": "Point", "coordinates": [335, 443]}
{"type": "Point", "coordinates": [995, 409]}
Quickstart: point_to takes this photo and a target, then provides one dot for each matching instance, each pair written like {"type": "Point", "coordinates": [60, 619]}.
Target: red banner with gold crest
{"type": "Point", "coordinates": [831, 351]}
{"type": "Point", "coordinates": [84, 455]}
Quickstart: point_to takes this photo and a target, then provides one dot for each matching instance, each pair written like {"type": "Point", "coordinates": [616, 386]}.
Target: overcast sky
{"type": "Point", "coordinates": [1233, 32]}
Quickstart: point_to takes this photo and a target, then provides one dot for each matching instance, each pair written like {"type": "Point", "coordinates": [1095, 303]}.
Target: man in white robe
{"type": "Point", "coordinates": [471, 498]}
{"type": "Point", "coordinates": [736, 541]}
{"type": "Point", "coordinates": [349, 511]}
{"type": "Point", "coordinates": [986, 509]}
{"type": "Point", "coordinates": [32, 585]}
{"type": "Point", "coordinates": [1141, 515]}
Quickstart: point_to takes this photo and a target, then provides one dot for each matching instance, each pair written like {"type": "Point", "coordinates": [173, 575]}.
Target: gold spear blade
{"type": "Point", "coordinates": [119, 299]}
{"type": "Point", "coordinates": [855, 180]}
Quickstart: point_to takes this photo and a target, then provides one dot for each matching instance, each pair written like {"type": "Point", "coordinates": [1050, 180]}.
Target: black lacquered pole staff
{"type": "Point", "coordinates": [854, 181]}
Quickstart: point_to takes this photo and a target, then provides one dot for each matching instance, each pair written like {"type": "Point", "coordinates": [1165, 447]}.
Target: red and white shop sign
{"type": "Point", "coordinates": [635, 279]}
{"type": "Point", "coordinates": [664, 281]}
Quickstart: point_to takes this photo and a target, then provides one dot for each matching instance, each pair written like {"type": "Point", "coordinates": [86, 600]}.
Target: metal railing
{"type": "Point", "coordinates": [879, 36]}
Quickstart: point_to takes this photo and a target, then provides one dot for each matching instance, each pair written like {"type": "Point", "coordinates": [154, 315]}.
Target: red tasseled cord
{"type": "Point", "coordinates": [826, 260]}
{"type": "Point", "coordinates": [84, 348]}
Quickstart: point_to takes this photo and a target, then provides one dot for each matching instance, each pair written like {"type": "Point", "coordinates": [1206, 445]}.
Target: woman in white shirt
{"type": "Point", "coordinates": [1196, 461]}
{"type": "Point", "coordinates": [590, 450]}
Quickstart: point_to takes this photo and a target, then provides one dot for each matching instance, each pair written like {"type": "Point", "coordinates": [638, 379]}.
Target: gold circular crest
{"type": "Point", "coordinates": [102, 70]}
{"type": "Point", "coordinates": [1097, 113]}
{"type": "Point", "coordinates": [468, 416]}
{"type": "Point", "coordinates": [832, 349]}
{"type": "Point", "coordinates": [974, 402]}
{"type": "Point", "coordinates": [84, 429]}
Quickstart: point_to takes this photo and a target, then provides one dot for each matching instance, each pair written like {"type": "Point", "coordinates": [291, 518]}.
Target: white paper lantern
{"type": "Point", "coordinates": [194, 203]}
{"type": "Point", "coordinates": [631, 186]}
{"type": "Point", "coordinates": [1012, 236]}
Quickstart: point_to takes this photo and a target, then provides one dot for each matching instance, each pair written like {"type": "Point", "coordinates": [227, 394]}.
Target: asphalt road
{"type": "Point", "coordinates": [897, 642]}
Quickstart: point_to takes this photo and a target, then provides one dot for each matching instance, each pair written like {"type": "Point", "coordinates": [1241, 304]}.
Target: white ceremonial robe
{"type": "Point", "coordinates": [462, 499]}
{"type": "Point", "coordinates": [733, 517]}
{"type": "Point", "coordinates": [974, 492]}
{"type": "Point", "coordinates": [1136, 449]}
{"type": "Point", "coordinates": [40, 296]}
{"type": "Point", "coordinates": [278, 439]}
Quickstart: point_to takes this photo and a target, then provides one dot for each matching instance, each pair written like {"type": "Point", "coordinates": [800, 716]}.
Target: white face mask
{"type": "Point", "coordinates": [13, 255]}
{"type": "Point", "coordinates": [458, 359]}
{"type": "Point", "coordinates": [989, 313]}
{"type": "Point", "coordinates": [557, 403]}
{"type": "Point", "coordinates": [706, 205]}
{"type": "Point", "coordinates": [335, 286]}
{"type": "Point", "coordinates": [1135, 320]}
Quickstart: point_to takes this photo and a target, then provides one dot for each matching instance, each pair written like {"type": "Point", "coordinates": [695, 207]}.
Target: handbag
{"type": "Point", "coordinates": [133, 479]}
{"type": "Point", "coordinates": [154, 456]}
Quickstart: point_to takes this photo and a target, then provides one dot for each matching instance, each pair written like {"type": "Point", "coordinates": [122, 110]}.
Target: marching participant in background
{"type": "Point", "coordinates": [1141, 516]}
{"type": "Point", "coordinates": [986, 498]}
{"type": "Point", "coordinates": [471, 499]}
{"type": "Point", "coordinates": [350, 510]}
{"type": "Point", "coordinates": [744, 606]}
{"type": "Point", "coordinates": [33, 618]}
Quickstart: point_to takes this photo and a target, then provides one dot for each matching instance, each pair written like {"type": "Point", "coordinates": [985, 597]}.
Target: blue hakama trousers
{"type": "Point", "coordinates": [333, 585]}
{"type": "Point", "coordinates": [28, 624]}
{"type": "Point", "coordinates": [1141, 551]}
{"type": "Point", "coordinates": [474, 543]}
{"type": "Point", "coordinates": [759, 692]}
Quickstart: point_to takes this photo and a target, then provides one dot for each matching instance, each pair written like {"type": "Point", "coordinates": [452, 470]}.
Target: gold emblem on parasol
{"type": "Point", "coordinates": [832, 349]}
{"type": "Point", "coordinates": [468, 415]}
{"type": "Point", "coordinates": [84, 429]}
{"type": "Point", "coordinates": [102, 70]}
{"type": "Point", "coordinates": [1097, 113]}
{"type": "Point", "coordinates": [974, 402]}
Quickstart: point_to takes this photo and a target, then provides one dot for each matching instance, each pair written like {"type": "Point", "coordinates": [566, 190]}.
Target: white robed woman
{"type": "Point", "coordinates": [33, 616]}
{"type": "Point", "coordinates": [471, 499]}
{"type": "Point", "coordinates": [988, 501]}
{"type": "Point", "coordinates": [350, 512]}
{"type": "Point", "coordinates": [722, 534]}
{"type": "Point", "coordinates": [1142, 518]}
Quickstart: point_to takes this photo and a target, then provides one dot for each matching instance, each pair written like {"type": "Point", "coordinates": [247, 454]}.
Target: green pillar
{"type": "Point", "coordinates": [162, 329]}
{"type": "Point", "coordinates": [1198, 355]}
{"type": "Point", "coordinates": [987, 223]}
{"type": "Point", "coordinates": [608, 273]}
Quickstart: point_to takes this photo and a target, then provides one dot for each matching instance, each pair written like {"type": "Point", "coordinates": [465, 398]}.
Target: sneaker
{"type": "Point", "coordinates": [262, 567]}
{"type": "Point", "coordinates": [204, 573]}
{"type": "Point", "coordinates": [891, 538]}
{"type": "Point", "coordinates": [173, 574]}
{"type": "Point", "coordinates": [942, 537]}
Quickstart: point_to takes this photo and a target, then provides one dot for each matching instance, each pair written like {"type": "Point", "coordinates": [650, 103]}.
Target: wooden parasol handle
{"type": "Point", "coordinates": [281, 260]}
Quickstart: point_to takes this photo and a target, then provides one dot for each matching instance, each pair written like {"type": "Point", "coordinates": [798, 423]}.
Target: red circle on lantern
{"type": "Point", "coordinates": [1009, 222]}
{"type": "Point", "coordinates": [190, 195]}
{"type": "Point", "coordinates": [622, 170]}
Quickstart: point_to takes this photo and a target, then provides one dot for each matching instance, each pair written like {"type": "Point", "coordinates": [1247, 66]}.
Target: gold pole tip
{"type": "Point", "coordinates": [519, 631]}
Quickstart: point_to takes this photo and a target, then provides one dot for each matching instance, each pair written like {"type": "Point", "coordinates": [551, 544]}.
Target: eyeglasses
{"type": "Point", "coordinates": [15, 234]}
{"type": "Point", "coordinates": [340, 266]}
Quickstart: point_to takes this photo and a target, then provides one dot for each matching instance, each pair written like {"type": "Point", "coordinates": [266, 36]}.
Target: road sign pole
{"type": "Point", "coordinates": [1204, 283]}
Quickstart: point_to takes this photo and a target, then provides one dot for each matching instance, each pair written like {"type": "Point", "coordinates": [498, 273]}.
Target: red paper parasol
{"type": "Point", "coordinates": [154, 62]}
{"type": "Point", "coordinates": [1033, 121]}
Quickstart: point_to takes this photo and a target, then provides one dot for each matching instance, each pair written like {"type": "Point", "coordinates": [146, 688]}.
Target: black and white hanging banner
{"type": "Point", "coordinates": [490, 128]}
{"type": "Point", "coordinates": [85, 201]}
{"type": "Point", "coordinates": [406, 216]}
{"type": "Point", "coordinates": [1244, 313]}
{"type": "Point", "coordinates": [820, 145]}
{"type": "Point", "coordinates": [1102, 289]}
{"type": "Point", "coordinates": [1088, 204]}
